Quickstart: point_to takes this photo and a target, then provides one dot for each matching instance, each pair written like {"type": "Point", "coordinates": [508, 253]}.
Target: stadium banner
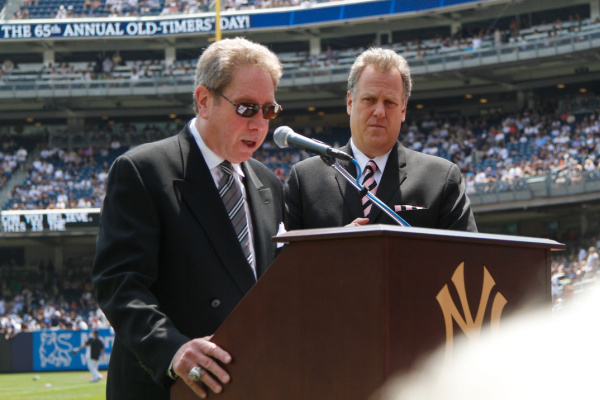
{"type": "Point", "coordinates": [17, 221]}
{"type": "Point", "coordinates": [53, 350]}
{"type": "Point", "coordinates": [203, 23]}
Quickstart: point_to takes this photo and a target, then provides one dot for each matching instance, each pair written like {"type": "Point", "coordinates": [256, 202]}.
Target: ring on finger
{"type": "Point", "coordinates": [195, 373]}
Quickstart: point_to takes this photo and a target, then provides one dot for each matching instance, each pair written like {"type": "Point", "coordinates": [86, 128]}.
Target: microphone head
{"type": "Point", "coordinates": [280, 136]}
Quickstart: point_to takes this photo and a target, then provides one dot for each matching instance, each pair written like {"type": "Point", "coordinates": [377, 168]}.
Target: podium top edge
{"type": "Point", "coordinates": [413, 232]}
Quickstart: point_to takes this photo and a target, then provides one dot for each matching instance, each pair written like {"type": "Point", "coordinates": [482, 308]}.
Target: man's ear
{"type": "Point", "coordinates": [203, 96]}
{"type": "Point", "coordinates": [349, 103]}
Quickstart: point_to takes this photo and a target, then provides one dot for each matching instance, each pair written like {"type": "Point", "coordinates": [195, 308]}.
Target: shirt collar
{"type": "Point", "coordinates": [211, 159]}
{"type": "Point", "coordinates": [362, 160]}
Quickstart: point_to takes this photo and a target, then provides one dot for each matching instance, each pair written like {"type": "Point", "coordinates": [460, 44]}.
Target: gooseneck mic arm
{"type": "Point", "coordinates": [363, 190]}
{"type": "Point", "coordinates": [284, 136]}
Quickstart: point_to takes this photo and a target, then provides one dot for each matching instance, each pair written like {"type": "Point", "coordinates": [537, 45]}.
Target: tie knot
{"type": "Point", "coordinates": [226, 167]}
{"type": "Point", "coordinates": [371, 166]}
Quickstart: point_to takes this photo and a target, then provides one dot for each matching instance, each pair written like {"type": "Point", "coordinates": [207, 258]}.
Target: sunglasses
{"type": "Point", "coordinates": [248, 110]}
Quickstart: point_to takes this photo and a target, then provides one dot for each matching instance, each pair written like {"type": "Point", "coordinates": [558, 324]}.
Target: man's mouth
{"type": "Point", "coordinates": [249, 143]}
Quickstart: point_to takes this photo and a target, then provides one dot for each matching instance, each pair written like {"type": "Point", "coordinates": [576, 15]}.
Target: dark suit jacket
{"type": "Point", "coordinates": [168, 265]}
{"type": "Point", "coordinates": [317, 196]}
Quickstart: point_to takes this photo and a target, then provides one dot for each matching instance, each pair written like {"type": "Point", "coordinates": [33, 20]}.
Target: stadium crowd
{"type": "Point", "coordinates": [35, 297]}
{"type": "Point", "coordinates": [120, 8]}
{"type": "Point", "coordinates": [542, 139]}
{"type": "Point", "coordinates": [111, 66]}
{"type": "Point", "coordinates": [495, 152]}
{"type": "Point", "coordinates": [12, 157]}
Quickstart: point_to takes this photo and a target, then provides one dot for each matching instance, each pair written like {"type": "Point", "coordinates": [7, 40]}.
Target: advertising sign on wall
{"type": "Point", "coordinates": [53, 349]}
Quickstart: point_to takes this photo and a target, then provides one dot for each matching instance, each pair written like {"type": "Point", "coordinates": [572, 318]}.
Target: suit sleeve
{"type": "Point", "coordinates": [456, 211]}
{"type": "Point", "coordinates": [126, 266]}
{"type": "Point", "coordinates": [293, 202]}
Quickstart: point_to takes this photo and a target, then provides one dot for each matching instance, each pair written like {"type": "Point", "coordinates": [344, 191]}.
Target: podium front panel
{"type": "Point", "coordinates": [340, 311]}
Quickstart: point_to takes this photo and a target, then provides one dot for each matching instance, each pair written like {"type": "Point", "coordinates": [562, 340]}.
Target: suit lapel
{"type": "Point", "coordinates": [349, 193]}
{"type": "Point", "coordinates": [198, 191]}
{"type": "Point", "coordinates": [261, 204]}
{"type": "Point", "coordinates": [393, 176]}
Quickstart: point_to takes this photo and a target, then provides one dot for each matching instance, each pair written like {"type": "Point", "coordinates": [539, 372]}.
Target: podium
{"type": "Point", "coordinates": [342, 309]}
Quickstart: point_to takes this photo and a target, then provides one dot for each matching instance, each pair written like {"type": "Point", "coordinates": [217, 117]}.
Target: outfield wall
{"type": "Point", "coordinates": [51, 350]}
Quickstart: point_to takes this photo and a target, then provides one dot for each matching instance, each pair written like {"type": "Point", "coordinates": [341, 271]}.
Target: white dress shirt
{"type": "Point", "coordinates": [362, 160]}
{"type": "Point", "coordinates": [213, 161]}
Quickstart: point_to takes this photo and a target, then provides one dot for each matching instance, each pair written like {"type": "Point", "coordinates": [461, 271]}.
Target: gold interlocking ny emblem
{"type": "Point", "coordinates": [471, 327]}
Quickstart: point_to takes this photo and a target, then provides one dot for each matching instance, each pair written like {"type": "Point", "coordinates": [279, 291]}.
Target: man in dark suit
{"type": "Point", "coordinates": [426, 191]}
{"type": "Point", "coordinates": [174, 255]}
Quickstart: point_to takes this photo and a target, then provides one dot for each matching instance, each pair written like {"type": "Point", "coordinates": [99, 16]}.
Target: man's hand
{"type": "Point", "coordinates": [201, 352]}
{"type": "Point", "coordinates": [359, 221]}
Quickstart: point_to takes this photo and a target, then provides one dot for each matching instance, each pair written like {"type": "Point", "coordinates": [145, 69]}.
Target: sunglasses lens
{"type": "Point", "coordinates": [270, 112]}
{"type": "Point", "coordinates": [247, 110]}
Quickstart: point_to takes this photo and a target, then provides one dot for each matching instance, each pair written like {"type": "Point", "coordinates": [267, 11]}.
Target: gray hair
{"type": "Point", "coordinates": [383, 60]}
{"type": "Point", "coordinates": [220, 60]}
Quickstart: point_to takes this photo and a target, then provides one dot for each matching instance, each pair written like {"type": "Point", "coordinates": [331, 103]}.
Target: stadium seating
{"type": "Point", "coordinates": [498, 154]}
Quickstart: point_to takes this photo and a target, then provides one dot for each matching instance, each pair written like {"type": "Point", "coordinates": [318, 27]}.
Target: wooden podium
{"type": "Point", "coordinates": [342, 309]}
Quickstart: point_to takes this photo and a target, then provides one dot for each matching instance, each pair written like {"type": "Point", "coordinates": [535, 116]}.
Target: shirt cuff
{"type": "Point", "coordinates": [170, 372]}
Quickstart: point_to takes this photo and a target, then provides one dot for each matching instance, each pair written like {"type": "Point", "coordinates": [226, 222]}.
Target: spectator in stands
{"type": "Point", "coordinates": [8, 66]}
{"type": "Point", "coordinates": [107, 66]}
{"type": "Point", "coordinates": [61, 13]}
{"type": "Point", "coordinates": [379, 86]}
{"type": "Point", "coordinates": [117, 59]}
{"type": "Point", "coordinates": [153, 194]}
{"type": "Point", "coordinates": [593, 261]}
{"type": "Point", "coordinates": [99, 63]}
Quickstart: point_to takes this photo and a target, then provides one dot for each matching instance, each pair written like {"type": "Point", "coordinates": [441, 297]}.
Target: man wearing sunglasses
{"type": "Point", "coordinates": [186, 229]}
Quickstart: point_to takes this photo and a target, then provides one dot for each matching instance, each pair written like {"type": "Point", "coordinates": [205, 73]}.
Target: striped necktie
{"type": "Point", "coordinates": [370, 183]}
{"type": "Point", "coordinates": [234, 204]}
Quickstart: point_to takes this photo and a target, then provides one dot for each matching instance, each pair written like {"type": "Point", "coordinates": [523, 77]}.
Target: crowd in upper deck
{"type": "Point", "coordinates": [111, 65]}
{"type": "Point", "coordinates": [59, 9]}
{"type": "Point", "coordinates": [494, 152]}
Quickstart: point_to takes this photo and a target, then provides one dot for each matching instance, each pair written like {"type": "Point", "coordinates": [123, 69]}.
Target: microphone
{"type": "Point", "coordinates": [285, 136]}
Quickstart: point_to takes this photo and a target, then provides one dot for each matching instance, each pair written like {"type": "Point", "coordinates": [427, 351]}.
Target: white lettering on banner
{"type": "Point", "coordinates": [56, 222]}
{"type": "Point", "coordinates": [204, 24]}
{"type": "Point", "coordinates": [164, 26]}
{"type": "Point", "coordinates": [12, 223]}
{"type": "Point", "coordinates": [117, 29]}
{"type": "Point", "coordinates": [141, 28]}
{"type": "Point", "coordinates": [180, 27]}
{"type": "Point", "coordinates": [244, 21]}
{"type": "Point", "coordinates": [16, 31]}
{"type": "Point", "coordinates": [93, 29]}
{"type": "Point", "coordinates": [46, 30]}
{"type": "Point", "coordinates": [235, 22]}
{"type": "Point", "coordinates": [36, 221]}
{"type": "Point", "coordinates": [77, 217]}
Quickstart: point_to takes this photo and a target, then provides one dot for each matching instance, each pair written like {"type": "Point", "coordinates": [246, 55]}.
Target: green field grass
{"type": "Point", "coordinates": [52, 385]}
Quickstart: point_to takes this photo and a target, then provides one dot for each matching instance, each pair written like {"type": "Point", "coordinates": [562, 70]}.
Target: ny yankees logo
{"type": "Point", "coordinates": [471, 327]}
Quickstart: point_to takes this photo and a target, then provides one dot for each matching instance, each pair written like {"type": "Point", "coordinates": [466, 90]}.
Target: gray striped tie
{"type": "Point", "coordinates": [234, 204]}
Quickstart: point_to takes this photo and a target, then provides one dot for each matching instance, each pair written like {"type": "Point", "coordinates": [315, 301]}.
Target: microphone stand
{"type": "Point", "coordinates": [363, 190]}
